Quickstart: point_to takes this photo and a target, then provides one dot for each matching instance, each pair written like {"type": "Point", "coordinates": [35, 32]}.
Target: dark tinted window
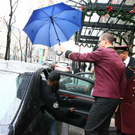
{"type": "Point", "coordinates": [12, 88]}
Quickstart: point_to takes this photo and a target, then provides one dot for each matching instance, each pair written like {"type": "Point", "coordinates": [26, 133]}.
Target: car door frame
{"type": "Point", "coordinates": [66, 99]}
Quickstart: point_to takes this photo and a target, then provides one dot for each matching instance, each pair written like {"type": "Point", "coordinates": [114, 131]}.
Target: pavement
{"type": "Point", "coordinates": [66, 129]}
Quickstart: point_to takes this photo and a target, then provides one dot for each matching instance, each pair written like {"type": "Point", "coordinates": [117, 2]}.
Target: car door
{"type": "Point", "coordinates": [30, 112]}
{"type": "Point", "coordinates": [72, 94]}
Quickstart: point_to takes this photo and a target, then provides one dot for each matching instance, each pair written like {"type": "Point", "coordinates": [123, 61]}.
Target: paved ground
{"type": "Point", "coordinates": [65, 129]}
{"type": "Point", "coordinates": [78, 131]}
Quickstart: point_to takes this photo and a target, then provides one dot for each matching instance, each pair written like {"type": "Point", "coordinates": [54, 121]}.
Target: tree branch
{"type": "Point", "coordinates": [15, 5]}
{"type": "Point", "coordinates": [13, 21]}
{"type": "Point", "coordinates": [5, 21]}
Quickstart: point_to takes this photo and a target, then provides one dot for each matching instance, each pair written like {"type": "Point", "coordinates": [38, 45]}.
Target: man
{"type": "Point", "coordinates": [125, 116]}
{"type": "Point", "coordinates": [48, 90]}
{"type": "Point", "coordinates": [110, 83]}
{"type": "Point", "coordinates": [75, 67]}
{"type": "Point", "coordinates": [83, 66]}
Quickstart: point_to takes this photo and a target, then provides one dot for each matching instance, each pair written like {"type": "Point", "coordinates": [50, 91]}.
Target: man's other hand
{"type": "Point", "coordinates": [62, 48]}
{"type": "Point", "coordinates": [72, 109]}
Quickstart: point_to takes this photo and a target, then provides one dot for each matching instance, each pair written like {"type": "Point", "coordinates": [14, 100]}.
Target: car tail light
{"type": "Point", "coordinates": [68, 67]}
{"type": "Point", "coordinates": [57, 66]}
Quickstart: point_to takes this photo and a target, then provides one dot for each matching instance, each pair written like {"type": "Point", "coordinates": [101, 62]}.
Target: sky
{"type": "Point", "coordinates": [24, 9]}
{"type": "Point", "coordinates": [23, 12]}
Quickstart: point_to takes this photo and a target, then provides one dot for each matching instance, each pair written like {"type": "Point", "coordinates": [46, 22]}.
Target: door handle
{"type": "Point", "coordinates": [63, 98]}
{"type": "Point", "coordinates": [67, 98]}
{"type": "Point", "coordinates": [70, 99]}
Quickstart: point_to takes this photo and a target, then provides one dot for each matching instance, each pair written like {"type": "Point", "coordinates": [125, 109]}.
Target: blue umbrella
{"type": "Point", "coordinates": [53, 24]}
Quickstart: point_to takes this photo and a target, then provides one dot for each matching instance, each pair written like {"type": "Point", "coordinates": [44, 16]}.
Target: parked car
{"type": "Point", "coordinates": [64, 66]}
{"type": "Point", "coordinates": [20, 98]}
{"type": "Point", "coordinates": [50, 63]}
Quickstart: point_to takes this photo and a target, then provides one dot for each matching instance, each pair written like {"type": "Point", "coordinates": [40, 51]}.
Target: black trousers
{"type": "Point", "coordinates": [100, 114]}
{"type": "Point", "coordinates": [76, 71]}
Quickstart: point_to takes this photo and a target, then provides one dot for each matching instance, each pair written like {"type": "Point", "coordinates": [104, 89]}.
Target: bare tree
{"type": "Point", "coordinates": [31, 48]}
{"type": "Point", "coordinates": [14, 50]}
{"type": "Point", "coordinates": [26, 49]}
{"type": "Point", "coordinates": [13, 7]}
{"type": "Point", "coordinates": [19, 40]}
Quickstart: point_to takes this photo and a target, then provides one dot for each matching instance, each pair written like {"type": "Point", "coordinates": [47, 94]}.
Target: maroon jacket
{"type": "Point", "coordinates": [110, 79]}
{"type": "Point", "coordinates": [125, 116]}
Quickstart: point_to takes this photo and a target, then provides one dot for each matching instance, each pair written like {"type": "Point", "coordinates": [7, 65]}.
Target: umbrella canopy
{"type": "Point", "coordinates": [53, 24]}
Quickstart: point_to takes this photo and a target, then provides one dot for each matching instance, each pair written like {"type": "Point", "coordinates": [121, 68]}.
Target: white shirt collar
{"type": "Point", "coordinates": [127, 61]}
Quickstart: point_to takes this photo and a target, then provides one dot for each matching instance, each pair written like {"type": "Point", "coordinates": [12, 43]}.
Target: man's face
{"type": "Point", "coordinates": [122, 55]}
{"type": "Point", "coordinates": [101, 42]}
{"type": "Point", "coordinates": [55, 82]}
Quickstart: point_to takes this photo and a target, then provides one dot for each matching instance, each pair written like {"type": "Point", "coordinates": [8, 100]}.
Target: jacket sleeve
{"type": "Point", "coordinates": [85, 57]}
{"type": "Point", "coordinates": [123, 84]}
{"type": "Point", "coordinates": [57, 110]}
{"type": "Point", "coordinates": [51, 102]}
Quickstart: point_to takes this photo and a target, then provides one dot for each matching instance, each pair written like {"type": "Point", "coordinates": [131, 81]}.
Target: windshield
{"type": "Point", "coordinates": [12, 88]}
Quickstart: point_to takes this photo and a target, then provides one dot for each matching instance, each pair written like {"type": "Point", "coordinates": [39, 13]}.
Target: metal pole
{"type": "Point", "coordinates": [57, 36]}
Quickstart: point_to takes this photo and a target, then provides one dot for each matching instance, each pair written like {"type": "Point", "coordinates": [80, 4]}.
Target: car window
{"type": "Point", "coordinates": [12, 89]}
{"type": "Point", "coordinates": [63, 64]}
{"type": "Point", "coordinates": [45, 74]}
{"type": "Point", "coordinates": [87, 75]}
{"type": "Point", "coordinates": [75, 85]}
{"type": "Point", "coordinates": [48, 61]}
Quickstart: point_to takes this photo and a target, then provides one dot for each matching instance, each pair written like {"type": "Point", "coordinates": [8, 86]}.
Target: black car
{"type": "Point", "coordinates": [20, 98]}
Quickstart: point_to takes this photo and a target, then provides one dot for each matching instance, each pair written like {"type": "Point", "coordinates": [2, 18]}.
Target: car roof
{"type": "Point", "coordinates": [19, 67]}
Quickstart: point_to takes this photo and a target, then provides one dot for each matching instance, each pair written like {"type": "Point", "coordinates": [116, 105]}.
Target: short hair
{"type": "Point", "coordinates": [108, 36]}
{"type": "Point", "coordinates": [54, 75]}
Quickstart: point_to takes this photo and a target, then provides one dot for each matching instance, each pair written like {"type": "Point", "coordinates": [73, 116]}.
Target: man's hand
{"type": "Point", "coordinates": [62, 48]}
{"type": "Point", "coordinates": [92, 71]}
{"type": "Point", "coordinates": [72, 71]}
{"type": "Point", "coordinates": [72, 109]}
{"type": "Point", "coordinates": [87, 88]}
{"type": "Point", "coordinates": [117, 108]}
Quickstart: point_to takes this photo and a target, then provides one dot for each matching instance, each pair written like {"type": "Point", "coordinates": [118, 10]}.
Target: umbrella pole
{"type": "Point", "coordinates": [59, 54]}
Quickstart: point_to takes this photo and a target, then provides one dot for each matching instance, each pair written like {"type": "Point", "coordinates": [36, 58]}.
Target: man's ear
{"type": "Point", "coordinates": [106, 41]}
{"type": "Point", "coordinates": [56, 81]}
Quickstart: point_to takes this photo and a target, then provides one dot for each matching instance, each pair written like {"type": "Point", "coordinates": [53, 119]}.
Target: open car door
{"type": "Point", "coordinates": [72, 93]}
